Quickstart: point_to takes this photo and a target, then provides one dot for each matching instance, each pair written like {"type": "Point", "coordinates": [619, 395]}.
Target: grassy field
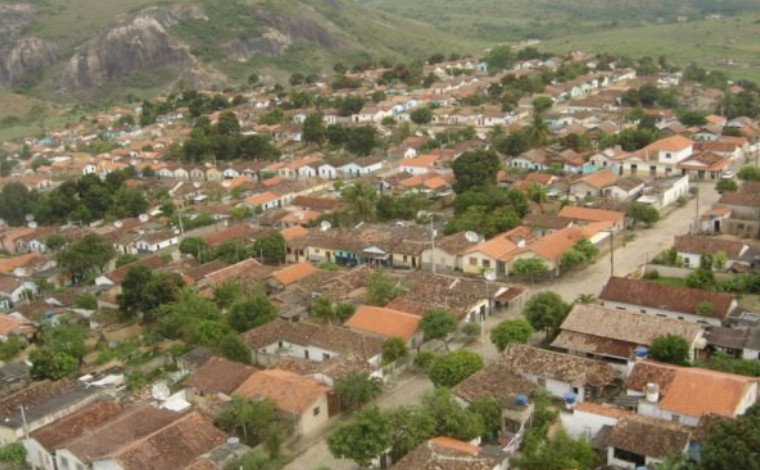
{"type": "Point", "coordinates": [730, 44]}
{"type": "Point", "coordinates": [505, 20]}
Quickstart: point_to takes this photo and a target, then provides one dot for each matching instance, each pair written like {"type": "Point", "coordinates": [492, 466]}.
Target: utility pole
{"type": "Point", "coordinates": [432, 241]}
{"type": "Point", "coordinates": [612, 253]}
{"type": "Point", "coordinates": [696, 215]}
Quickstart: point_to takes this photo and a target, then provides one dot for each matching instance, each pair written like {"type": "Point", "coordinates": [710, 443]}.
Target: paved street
{"type": "Point", "coordinates": [648, 243]}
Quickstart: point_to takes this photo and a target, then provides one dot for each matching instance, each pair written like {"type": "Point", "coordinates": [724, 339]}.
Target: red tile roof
{"type": "Point", "coordinates": [290, 392]}
{"type": "Point", "coordinates": [384, 322]}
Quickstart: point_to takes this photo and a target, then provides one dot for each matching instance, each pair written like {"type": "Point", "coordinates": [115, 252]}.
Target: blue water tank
{"type": "Point", "coordinates": [521, 400]}
{"type": "Point", "coordinates": [641, 352]}
{"type": "Point", "coordinates": [570, 398]}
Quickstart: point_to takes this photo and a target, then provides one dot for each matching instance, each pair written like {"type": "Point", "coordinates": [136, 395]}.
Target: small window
{"type": "Point", "coordinates": [306, 353]}
{"type": "Point", "coordinates": [667, 155]}
{"type": "Point", "coordinates": [316, 411]}
{"type": "Point", "coordinates": [325, 356]}
{"type": "Point", "coordinates": [64, 462]}
{"type": "Point", "coordinates": [642, 311]}
{"type": "Point", "coordinates": [486, 263]}
{"type": "Point", "coordinates": [541, 382]}
{"type": "Point", "coordinates": [473, 261]}
{"type": "Point", "coordinates": [279, 344]}
{"type": "Point", "coordinates": [675, 418]}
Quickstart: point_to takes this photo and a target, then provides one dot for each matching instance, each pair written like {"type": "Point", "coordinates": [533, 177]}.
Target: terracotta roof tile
{"type": "Point", "coordinates": [57, 433]}
{"type": "Point", "coordinates": [596, 408]}
{"type": "Point", "coordinates": [172, 447]}
{"type": "Point", "coordinates": [384, 322]}
{"type": "Point", "coordinates": [443, 454]}
{"type": "Point", "coordinates": [294, 273]}
{"type": "Point", "coordinates": [220, 375]}
{"type": "Point", "coordinates": [290, 392]}
{"type": "Point", "coordinates": [567, 368]}
{"type": "Point", "coordinates": [698, 244]}
{"type": "Point", "coordinates": [497, 380]}
{"type": "Point", "coordinates": [651, 437]}
{"type": "Point", "coordinates": [593, 215]}
{"type": "Point", "coordinates": [655, 295]}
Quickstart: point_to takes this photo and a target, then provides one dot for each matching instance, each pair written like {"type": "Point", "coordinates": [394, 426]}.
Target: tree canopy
{"type": "Point", "coordinates": [474, 169]}
{"type": "Point", "coordinates": [670, 348]}
{"type": "Point", "coordinates": [438, 324]}
{"type": "Point", "coordinates": [546, 311]}
{"type": "Point", "coordinates": [452, 368]}
{"type": "Point", "coordinates": [506, 332]}
{"type": "Point", "coordinates": [733, 443]}
{"type": "Point", "coordinates": [86, 257]}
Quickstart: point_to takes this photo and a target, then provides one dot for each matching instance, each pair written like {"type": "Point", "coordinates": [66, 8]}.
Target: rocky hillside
{"type": "Point", "coordinates": [89, 49]}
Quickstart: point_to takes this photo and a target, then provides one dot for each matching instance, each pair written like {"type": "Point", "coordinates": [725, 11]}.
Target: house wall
{"type": "Point", "coordinates": [475, 262]}
{"type": "Point", "coordinates": [652, 410]}
{"type": "Point", "coordinates": [66, 460]}
{"type": "Point", "coordinates": [693, 318]}
{"type": "Point", "coordinates": [582, 190]}
{"type": "Point", "coordinates": [443, 260]}
{"type": "Point", "coordinates": [555, 387]}
{"type": "Point", "coordinates": [617, 463]}
{"type": "Point", "coordinates": [584, 424]}
{"type": "Point", "coordinates": [751, 354]}
{"type": "Point", "coordinates": [405, 261]}
{"type": "Point", "coordinates": [106, 464]}
{"type": "Point", "coordinates": [311, 353]}
{"type": "Point", "coordinates": [37, 456]}
{"type": "Point", "coordinates": [749, 398]}
{"type": "Point", "coordinates": [668, 156]}
{"type": "Point", "coordinates": [314, 416]}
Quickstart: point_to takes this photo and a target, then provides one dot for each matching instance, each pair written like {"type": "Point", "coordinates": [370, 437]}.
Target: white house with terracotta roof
{"type": "Point", "coordinates": [685, 394]}
{"type": "Point", "coordinates": [386, 323]}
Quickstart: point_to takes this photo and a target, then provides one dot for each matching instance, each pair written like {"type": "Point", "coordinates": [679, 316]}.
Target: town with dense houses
{"type": "Point", "coordinates": [520, 260]}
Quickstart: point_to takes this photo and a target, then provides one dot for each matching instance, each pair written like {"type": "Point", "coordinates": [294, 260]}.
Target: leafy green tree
{"type": "Point", "coordinates": [733, 443]}
{"type": "Point", "coordinates": [490, 411]}
{"type": "Point", "coordinates": [411, 426]}
{"type": "Point", "coordinates": [506, 332]}
{"type": "Point", "coordinates": [86, 300]}
{"type": "Point", "coordinates": [358, 390]}
{"type": "Point", "coordinates": [701, 278]}
{"type": "Point", "coordinates": [421, 115]}
{"type": "Point", "coordinates": [474, 169]}
{"type": "Point", "coordinates": [640, 212]}
{"type": "Point", "coordinates": [272, 248]}
{"type": "Point", "coordinates": [49, 364]}
{"type": "Point", "coordinates": [363, 438]}
{"type": "Point", "coordinates": [126, 259]}
{"type": "Point", "coordinates": [530, 268]}
{"type": "Point", "coordinates": [500, 58]}
{"type": "Point", "coordinates": [546, 311]}
{"type": "Point", "coordinates": [13, 454]}
{"type": "Point", "coordinates": [232, 347]}
{"type": "Point", "coordinates": [512, 145]}
{"type": "Point", "coordinates": [749, 173]}
{"type": "Point", "coordinates": [726, 185]}
{"type": "Point", "coordinates": [362, 140]}
{"type": "Point", "coordinates": [250, 420]}
{"type": "Point", "coordinates": [670, 348]}
{"type": "Point", "coordinates": [85, 257]}
{"type": "Point", "coordinates": [143, 291]}
{"type": "Point", "coordinates": [451, 419]}
{"type": "Point", "coordinates": [127, 202]}
{"type": "Point", "coordinates": [252, 312]}
{"type": "Point", "coordinates": [65, 338]}
{"type": "Point", "coordinates": [542, 104]}
{"type": "Point", "coordinates": [452, 368]}
{"type": "Point", "coordinates": [438, 324]}
{"type": "Point", "coordinates": [227, 293]}
{"type": "Point", "coordinates": [558, 453]}
{"type": "Point", "coordinates": [380, 289]}
{"type": "Point", "coordinates": [394, 349]}
{"type": "Point", "coordinates": [313, 129]}
{"type": "Point", "coordinates": [55, 242]}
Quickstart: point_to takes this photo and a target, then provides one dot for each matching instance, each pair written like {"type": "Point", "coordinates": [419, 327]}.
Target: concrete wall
{"type": "Point", "coordinates": [584, 424]}
{"type": "Point", "coordinates": [314, 416]}
{"type": "Point", "coordinates": [444, 262]}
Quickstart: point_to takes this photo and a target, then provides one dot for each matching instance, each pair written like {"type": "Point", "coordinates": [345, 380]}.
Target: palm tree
{"type": "Point", "coordinates": [585, 299]}
{"type": "Point", "coordinates": [537, 131]}
{"type": "Point", "coordinates": [361, 200]}
{"type": "Point", "coordinates": [538, 194]}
